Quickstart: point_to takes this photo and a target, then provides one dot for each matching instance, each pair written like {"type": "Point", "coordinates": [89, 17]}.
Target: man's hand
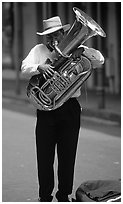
{"type": "Point", "coordinates": [77, 53]}
{"type": "Point", "coordinates": [46, 70]}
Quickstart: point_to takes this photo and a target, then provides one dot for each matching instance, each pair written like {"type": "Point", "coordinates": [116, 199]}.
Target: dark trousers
{"type": "Point", "coordinates": [57, 127]}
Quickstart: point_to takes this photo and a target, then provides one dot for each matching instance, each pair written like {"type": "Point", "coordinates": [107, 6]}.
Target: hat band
{"type": "Point", "coordinates": [52, 27]}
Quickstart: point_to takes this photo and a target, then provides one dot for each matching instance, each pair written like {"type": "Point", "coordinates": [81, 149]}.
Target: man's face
{"type": "Point", "coordinates": [56, 37]}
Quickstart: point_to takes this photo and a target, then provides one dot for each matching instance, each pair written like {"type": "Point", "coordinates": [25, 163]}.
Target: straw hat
{"type": "Point", "coordinates": [53, 24]}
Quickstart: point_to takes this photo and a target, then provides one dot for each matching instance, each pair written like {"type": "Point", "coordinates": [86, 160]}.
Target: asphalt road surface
{"type": "Point", "coordinates": [98, 153]}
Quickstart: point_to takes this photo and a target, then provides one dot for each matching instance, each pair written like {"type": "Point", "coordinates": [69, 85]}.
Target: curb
{"type": "Point", "coordinates": [102, 114]}
{"type": "Point", "coordinates": [99, 114]}
{"type": "Point", "coordinates": [15, 97]}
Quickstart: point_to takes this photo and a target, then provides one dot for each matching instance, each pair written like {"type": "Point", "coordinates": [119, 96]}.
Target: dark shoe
{"type": "Point", "coordinates": [62, 197]}
{"type": "Point", "coordinates": [46, 199]}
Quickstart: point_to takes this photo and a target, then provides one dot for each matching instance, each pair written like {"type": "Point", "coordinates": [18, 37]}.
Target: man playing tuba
{"type": "Point", "coordinates": [60, 126]}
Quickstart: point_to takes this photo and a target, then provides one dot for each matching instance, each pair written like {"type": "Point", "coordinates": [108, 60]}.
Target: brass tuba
{"type": "Point", "coordinates": [69, 74]}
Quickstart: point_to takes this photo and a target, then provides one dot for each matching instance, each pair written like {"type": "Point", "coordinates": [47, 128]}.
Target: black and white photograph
{"type": "Point", "coordinates": [61, 101]}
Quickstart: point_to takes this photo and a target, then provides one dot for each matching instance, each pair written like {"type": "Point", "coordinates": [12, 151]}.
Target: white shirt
{"type": "Point", "coordinates": [40, 53]}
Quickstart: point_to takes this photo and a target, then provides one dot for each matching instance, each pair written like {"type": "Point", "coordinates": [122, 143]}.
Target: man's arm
{"type": "Point", "coordinates": [29, 65]}
{"type": "Point", "coordinates": [94, 55]}
{"type": "Point", "coordinates": [35, 63]}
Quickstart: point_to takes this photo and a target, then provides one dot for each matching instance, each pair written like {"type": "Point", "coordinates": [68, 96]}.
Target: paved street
{"type": "Point", "coordinates": [98, 155]}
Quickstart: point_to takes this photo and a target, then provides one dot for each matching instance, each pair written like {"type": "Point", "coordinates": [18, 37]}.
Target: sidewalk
{"type": "Point", "coordinates": [98, 157]}
{"type": "Point", "coordinates": [89, 99]}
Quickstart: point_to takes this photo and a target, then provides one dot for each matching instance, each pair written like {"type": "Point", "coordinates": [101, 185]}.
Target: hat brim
{"type": "Point", "coordinates": [52, 30]}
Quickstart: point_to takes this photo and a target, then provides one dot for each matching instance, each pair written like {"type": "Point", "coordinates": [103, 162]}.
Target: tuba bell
{"type": "Point", "coordinates": [69, 74]}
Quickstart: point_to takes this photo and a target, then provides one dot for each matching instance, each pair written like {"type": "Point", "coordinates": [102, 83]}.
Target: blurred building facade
{"type": "Point", "coordinates": [23, 20]}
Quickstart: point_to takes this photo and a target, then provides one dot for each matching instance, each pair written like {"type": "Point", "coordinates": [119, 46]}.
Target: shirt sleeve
{"type": "Point", "coordinates": [94, 55]}
{"type": "Point", "coordinates": [30, 64]}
